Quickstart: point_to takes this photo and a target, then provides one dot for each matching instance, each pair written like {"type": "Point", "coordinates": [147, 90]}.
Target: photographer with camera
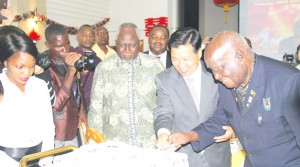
{"type": "Point", "coordinates": [88, 61]}
{"type": "Point", "coordinates": [69, 108]}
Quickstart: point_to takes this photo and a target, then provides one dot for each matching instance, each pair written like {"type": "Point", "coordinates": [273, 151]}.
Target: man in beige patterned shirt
{"type": "Point", "coordinates": [124, 94]}
{"type": "Point", "coordinates": [101, 47]}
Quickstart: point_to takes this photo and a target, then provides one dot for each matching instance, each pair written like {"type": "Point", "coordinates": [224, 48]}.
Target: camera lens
{"type": "Point", "coordinates": [87, 62]}
{"type": "Point", "coordinates": [79, 64]}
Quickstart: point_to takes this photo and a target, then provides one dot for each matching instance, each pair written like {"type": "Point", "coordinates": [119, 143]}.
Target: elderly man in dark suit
{"type": "Point", "coordinates": [187, 95]}
{"type": "Point", "coordinates": [259, 98]}
{"type": "Point", "coordinates": [158, 44]}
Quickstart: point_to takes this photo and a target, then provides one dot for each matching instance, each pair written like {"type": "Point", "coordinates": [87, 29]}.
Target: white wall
{"type": "Point", "coordinates": [135, 11]}
{"type": "Point", "coordinates": [212, 18]}
{"type": "Point", "coordinates": [77, 12]}
{"type": "Point", "coordinates": [74, 13]}
{"type": "Point", "coordinates": [24, 6]}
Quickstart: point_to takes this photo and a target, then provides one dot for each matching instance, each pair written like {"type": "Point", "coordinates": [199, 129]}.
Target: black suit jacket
{"type": "Point", "coordinates": [168, 61]}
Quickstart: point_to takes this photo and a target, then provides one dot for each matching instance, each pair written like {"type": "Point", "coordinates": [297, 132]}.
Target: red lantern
{"type": "Point", "coordinates": [34, 35]}
{"type": "Point", "coordinates": [226, 4]}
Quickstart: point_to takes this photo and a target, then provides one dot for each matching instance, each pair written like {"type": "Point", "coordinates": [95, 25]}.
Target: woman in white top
{"type": "Point", "coordinates": [26, 121]}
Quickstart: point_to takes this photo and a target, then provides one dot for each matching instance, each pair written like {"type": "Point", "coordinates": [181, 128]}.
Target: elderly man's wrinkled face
{"type": "Point", "coordinates": [226, 66]}
{"type": "Point", "coordinates": [127, 44]}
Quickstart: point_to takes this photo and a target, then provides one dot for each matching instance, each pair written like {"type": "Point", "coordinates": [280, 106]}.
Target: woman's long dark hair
{"type": "Point", "coordinates": [12, 43]}
{"type": "Point", "coordinates": [12, 40]}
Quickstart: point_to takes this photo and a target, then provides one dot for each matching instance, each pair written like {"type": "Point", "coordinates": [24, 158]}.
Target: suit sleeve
{"type": "Point", "coordinates": [291, 105]}
{"type": "Point", "coordinates": [211, 128]}
{"type": "Point", "coordinates": [163, 112]}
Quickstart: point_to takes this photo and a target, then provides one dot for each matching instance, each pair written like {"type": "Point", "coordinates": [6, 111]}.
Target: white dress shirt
{"type": "Point", "coordinates": [26, 117]}
{"type": "Point", "coordinates": [162, 57]}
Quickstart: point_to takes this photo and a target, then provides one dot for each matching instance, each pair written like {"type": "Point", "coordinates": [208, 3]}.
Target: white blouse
{"type": "Point", "coordinates": [26, 117]}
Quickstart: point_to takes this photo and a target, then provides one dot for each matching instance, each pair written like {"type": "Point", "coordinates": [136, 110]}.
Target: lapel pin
{"type": "Point", "coordinates": [267, 103]}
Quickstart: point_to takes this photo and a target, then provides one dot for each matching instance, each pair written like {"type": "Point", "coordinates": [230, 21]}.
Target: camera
{"type": "Point", "coordinates": [87, 62]}
{"type": "Point", "coordinates": [289, 58]}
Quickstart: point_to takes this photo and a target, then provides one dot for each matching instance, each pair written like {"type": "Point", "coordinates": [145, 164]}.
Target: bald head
{"type": "Point", "coordinates": [230, 58]}
{"type": "Point", "coordinates": [224, 42]}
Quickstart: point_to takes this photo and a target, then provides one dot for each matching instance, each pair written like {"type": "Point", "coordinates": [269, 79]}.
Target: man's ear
{"type": "Point", "coordinates": [5, 63]}
{"type": "Point", "coordinates": [141, 44]}
{"type": "Point", "coordinates": [240, 57]}
{"type": "Point", "coordinates": [77, 38]}
{"type": "Point", "coordinates": [47, 45]}
{"type": "Point", "coordinates": [199, 53]}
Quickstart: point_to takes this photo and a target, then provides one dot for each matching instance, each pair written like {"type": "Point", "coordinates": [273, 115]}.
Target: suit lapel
{"type": "Point", "coordinates": [169, 61]}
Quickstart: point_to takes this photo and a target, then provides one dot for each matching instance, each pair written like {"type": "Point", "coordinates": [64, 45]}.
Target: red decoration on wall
{"type": "Point", "coordinates": [34, 35]}
{"type": "Point", "coordinates": [226, 4]}
{"type": "Point", "coordinates": [150, 22]}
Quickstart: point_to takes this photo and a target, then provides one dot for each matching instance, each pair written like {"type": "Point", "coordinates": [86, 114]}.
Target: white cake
{"type": "Point", "coordinates": [116, 154]}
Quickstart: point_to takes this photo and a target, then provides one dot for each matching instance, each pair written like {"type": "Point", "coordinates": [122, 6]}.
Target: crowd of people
{"type": "Point", "coordinates": [183, 94]}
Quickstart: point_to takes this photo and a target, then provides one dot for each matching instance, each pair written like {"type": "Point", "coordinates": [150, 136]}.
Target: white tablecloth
{"type": "Point", "coordinates": [116, 154]}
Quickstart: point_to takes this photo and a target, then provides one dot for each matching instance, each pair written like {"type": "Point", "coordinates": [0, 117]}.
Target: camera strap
{"type": "Point", "coordinates": [77, 87]}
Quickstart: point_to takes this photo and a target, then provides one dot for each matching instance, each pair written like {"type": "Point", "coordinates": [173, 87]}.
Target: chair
{"type": "Point", "coordinates": [28, 158]}
{"type": "Point", "coordinates": [87, 136]}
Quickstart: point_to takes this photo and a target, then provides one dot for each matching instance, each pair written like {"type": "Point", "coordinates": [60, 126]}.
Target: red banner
{"type": "Point", "coordinates": [150, 22]}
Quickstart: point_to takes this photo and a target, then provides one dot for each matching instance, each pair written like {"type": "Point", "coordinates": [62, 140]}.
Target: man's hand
{"type": "Point", "coordinates": [71, 58]}
{"type": "Point", "coordinates": [228, 134]}
{"type": "Point", "coordinates": [178, 138]}
{"type": "Point", "coordinates": [205, 42]}
{"type": "Point", "coordinates": [82, 118]}
{"type": "Point", "coordinates": [162, 141]}
{"type": "Point", "coordinates": [9, 15]}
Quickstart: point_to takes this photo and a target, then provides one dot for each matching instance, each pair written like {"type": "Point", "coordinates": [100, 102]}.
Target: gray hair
{"type": "Point", "coordinates": [129, 26]}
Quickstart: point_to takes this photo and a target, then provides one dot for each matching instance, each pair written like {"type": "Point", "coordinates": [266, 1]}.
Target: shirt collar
{"type": "Point", "coordinates": [164, 54]}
